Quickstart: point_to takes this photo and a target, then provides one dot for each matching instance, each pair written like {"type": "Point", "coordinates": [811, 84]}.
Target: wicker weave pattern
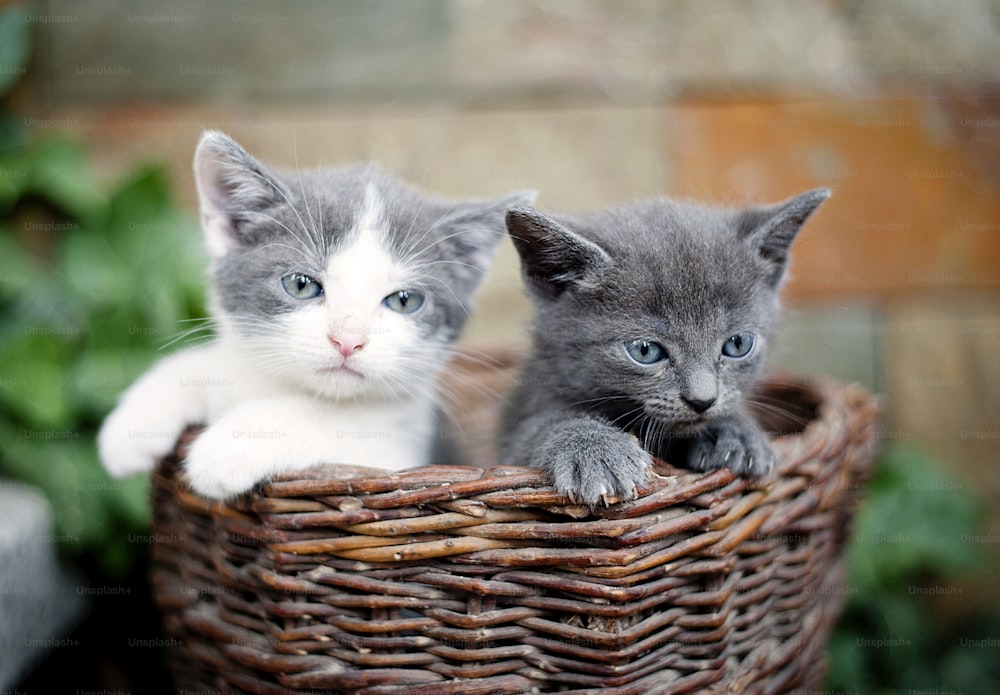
{"type": "Point", "coordinates": [462, 580]}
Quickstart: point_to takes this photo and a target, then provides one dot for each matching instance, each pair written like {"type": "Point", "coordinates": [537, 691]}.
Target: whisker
{"type": "Point", "coordinates": [779, 410]}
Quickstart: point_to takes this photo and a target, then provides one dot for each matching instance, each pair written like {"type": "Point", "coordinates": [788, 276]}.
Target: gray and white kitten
{"type": "Point", "coordinates": [336, 295]}
{"type": "Point", "coordinates": [652, 323]}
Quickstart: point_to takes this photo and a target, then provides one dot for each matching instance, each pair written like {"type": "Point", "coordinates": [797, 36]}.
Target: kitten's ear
{"type": "Point", "coordinates": [231, 185]}
{"type": "Point", "coordinates": [553, 258]}
{"type": "Point", "coordinates": [479, 227]}
{"type": "Point", "coordinates": [772, 229]}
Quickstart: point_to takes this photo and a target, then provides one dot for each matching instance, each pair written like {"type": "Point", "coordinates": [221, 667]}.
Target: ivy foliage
{"type": "Point", "coordinates": [95, 282]}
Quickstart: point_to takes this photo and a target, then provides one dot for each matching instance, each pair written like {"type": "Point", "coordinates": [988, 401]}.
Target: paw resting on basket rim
{"type": "Point", "coordinates": [136, 434]}
{"type": "Point", "coordinates": [591, 461]}
{"type": "Point", "coordinates": [742, 447]}
{"type": "Point", "coordinates": [219, 466]}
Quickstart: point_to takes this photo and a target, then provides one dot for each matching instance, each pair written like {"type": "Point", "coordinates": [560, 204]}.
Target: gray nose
{"type": "Point", "coordinates": [700, 389]}
{"type": "Point", "coordinates": [699, 405]}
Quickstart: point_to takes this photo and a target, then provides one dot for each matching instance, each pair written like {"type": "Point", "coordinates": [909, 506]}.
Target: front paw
{"type": "Point", "coordinates": [591, 461]}
{"type": "Point", "coordinates": [744, 448]}
{"type": "Point", "coordinates": [134, 436]}
{"type": "Point", "coordinates": [219, 465]}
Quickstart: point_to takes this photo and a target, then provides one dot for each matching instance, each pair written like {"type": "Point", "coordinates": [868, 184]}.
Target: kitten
{"type": "Point", "coordinates": [652, 322]}
{"type": "Point", "coordinates": [336, 296]}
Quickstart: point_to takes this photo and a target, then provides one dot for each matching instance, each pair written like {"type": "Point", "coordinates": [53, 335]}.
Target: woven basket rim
{"type": "Point", "coordinates": [834, 404]}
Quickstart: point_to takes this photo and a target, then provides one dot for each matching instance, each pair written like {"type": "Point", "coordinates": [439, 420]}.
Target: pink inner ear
{"type": "Point", "coordinates": [217, 222]}
{"type": "Point", "coordinates": [220, 234]}
{"type": "Point", "coordinates": [229, 181]}
{"type": "Point", "coordinates": [215, 198]}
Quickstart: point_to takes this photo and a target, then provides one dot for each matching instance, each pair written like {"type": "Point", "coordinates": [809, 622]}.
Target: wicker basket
{"type": "Point", "coordinates": [464, 580]}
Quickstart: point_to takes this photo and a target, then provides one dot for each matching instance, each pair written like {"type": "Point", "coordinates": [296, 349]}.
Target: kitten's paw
{"type": "Point", "coordinates": [221, 466]}
{"type": "Point", "coordinates": [590, 462]}
{"type": "Point", "coordinates": [134, 436]}
{"type": "Point", "coordinates": [741, 447]}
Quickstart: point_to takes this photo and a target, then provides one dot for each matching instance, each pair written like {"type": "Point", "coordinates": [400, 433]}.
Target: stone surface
{"type": "Point", "coordinates": [635, 53]}
{"type": "Point", "coordinates": [927, 41]}
{"type": "Point", "coordinates": [557, 49]}
{"type": "Point", "coordinates": [910, 212]}
{"type": "Point", "coordinates": [252, 49]}
{"type": "Point", "coordinates": [731, 47]}
{"type": "Point", "coordinates": [39, 601]}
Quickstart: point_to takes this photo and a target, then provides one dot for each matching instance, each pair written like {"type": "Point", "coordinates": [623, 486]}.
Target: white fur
{"type": "Point", "coordinates": [370, 219]}
{"type": "Point", "coordinates": [290, 400]}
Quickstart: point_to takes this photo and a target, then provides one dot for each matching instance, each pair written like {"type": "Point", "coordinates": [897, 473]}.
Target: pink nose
{"type": "Point", "coordinates": [347, 345]}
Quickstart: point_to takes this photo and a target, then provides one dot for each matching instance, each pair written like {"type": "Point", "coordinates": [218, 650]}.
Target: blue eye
{"type": "Point", "coordinates": [738, 345]}
{"type": "Point", "coordinates": [301, 286]}
{"type": "Point", "coordinates": [404, 301]}
{"type": "Point", "coordinates": [645, 351]}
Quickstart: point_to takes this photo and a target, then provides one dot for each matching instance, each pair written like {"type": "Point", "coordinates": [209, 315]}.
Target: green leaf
{"type": "Point", "coordinates": [913, 522]}
{"type": "Point", "coordinates": [17, 267]}
{"type": "Point", "coordinates": [60, 174]}
{"type": "Point", "coordinates": [94, 272]}
{"type": "Point", "coordinates": [846, 663]}
{"type": "Point", "coordinates": [97, 378]}
{"type": "Point", "coordinates": [911, 531]}
{"type": "Point", "coordinates": [137, 207]}
{"type": "Point", "coordinates": [33, 387]}
{"type": "Point", "coordinates": [79, 325]}
{"type": "Point", "coordinates": [15, 169]}
{"type": "Point", "coordinates": [15, 45]}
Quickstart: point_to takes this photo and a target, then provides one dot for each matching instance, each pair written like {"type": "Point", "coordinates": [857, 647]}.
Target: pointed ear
{"type": "Point", "coordinates": [231, 185]}
{"type": "Point", "coordinates": [553, 259]}
{"type": "Point", "coordinates": [771, 230]}
{"type": "Point", "coordinates": [478, 228]}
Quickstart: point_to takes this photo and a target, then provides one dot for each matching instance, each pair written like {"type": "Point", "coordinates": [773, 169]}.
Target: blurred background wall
{"type": "Point", "coordinates": [895, 104]}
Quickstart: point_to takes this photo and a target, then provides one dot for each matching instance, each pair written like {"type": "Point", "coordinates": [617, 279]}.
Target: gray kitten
{"type": "Point", "coordinates": [336, 295]}
{"type": "Point", "coordinates": [652, 322]}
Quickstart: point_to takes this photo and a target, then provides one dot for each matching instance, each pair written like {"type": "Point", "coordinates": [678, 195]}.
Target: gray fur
{"type": "Point", "coordinates": [684, 275]}
{"type": "Point", "coordinates": [274, 223]}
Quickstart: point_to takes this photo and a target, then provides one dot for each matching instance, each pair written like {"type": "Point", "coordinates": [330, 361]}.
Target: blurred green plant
{"type": "Point", "coordinates": [915, 542]}
{"type": "Point", "coordinates": [93, 284]}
